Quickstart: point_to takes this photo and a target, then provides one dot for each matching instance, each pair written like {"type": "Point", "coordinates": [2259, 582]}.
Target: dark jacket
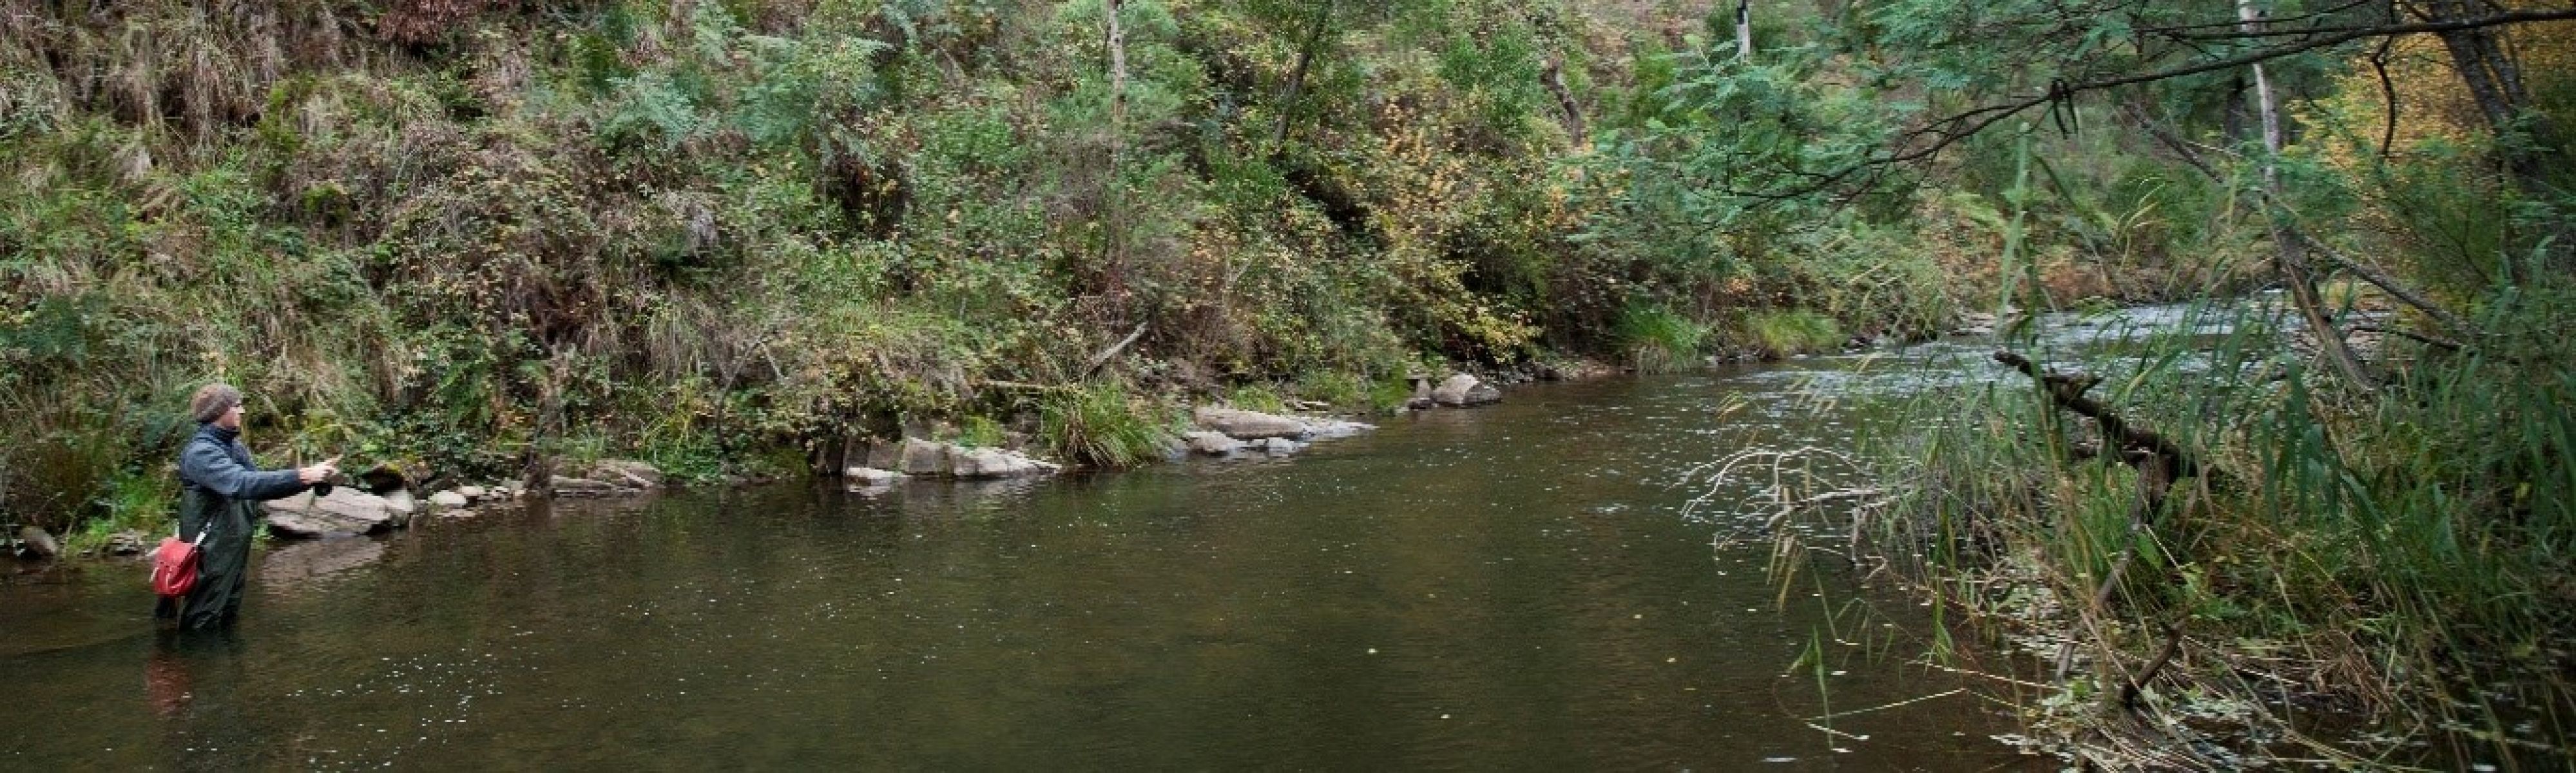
{"type": "Point", "coordinates": [219, 491]}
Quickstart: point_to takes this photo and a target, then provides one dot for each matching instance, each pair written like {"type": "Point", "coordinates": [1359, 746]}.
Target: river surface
{"type": "Point", "coordinates": [1522, 586]}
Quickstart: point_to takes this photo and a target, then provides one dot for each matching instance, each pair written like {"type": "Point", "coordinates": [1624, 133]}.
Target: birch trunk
{"type": "Point", "coordinates": [1743, 29]}
{"type": "Point", "coordinates": [2293, 260]}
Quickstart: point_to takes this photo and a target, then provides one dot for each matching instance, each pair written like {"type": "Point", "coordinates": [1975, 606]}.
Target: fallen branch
{"type": "Point", "coordinates": [1110, 353]}
{"type": "Point", "coordinates": [2068, 393]}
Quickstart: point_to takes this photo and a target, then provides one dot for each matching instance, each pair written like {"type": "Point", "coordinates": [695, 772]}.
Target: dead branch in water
{"type": "Point", "coordinates": [2068, 393]}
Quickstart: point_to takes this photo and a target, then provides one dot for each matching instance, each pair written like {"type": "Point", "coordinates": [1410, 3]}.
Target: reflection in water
{"type": "Point", "coordinates": [1509, 587]}
{"type": "Point", "coordinates": [299, 566]}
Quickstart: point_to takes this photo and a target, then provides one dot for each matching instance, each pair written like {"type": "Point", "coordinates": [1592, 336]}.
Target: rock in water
{"type": "Point", "coordinates": [922, 457]}
{"type": "Point", "coordinates": [1248, 425]}
{"type": "Point", "coordinates": [1213, 443]}
{"type": "Point", "coordinates": [345, 511]}
{"type": "Point", "coordinates": [36, 542]}
{"type": "Point", "coordinates": [1464, 390]}
{"type": "Point", "coordinates": [471, 492]}
{"type": "Point", "coordinates": [449, 499]}
{"type": "Point", "coordinates": [871, 476]}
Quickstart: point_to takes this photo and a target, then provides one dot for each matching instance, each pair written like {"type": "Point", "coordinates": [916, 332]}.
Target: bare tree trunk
{"type": "Point", "coordinates": [1116, 238]}
{"type": "Point", "coordinates": [2293, 261]}
{"type": "Point", "coordinates": [1297, 75]}
{"type": "Point", "coordinates": [1554, 77]}
{"type": "Point", "coordinates": [1744, 29]}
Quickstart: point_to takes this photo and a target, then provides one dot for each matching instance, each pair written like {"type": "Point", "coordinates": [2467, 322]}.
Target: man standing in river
{"type": "Point", "coordinates": [219, 488]}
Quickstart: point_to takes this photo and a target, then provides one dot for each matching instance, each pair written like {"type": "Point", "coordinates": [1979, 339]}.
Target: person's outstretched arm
{"type": "Point", "coordinates": [210, 466]}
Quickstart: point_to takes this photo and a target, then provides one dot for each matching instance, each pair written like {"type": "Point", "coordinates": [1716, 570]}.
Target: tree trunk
{"type": "Point", "coordinates": [1744, 29]}
{"type": "Point", "coordinates": [1554, 78]}
{"type": "Point", "coordinates": [2494, 81]}
{"type": "Point", "coordinates": [1297, 75]}
{"type": "Point", "coordinates": [1115, 185]}
{"type": "Point", "coordinates": [2293, 261]}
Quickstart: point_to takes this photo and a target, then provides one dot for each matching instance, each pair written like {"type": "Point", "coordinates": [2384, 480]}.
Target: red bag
{"type": "Point", "coordinates": [174, 566]}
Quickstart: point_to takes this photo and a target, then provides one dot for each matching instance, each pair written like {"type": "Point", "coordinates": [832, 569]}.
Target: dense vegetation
{"type": "Point", "coordinates": [472, 234]}
{"type": "Point", "coordinates": [2352, 496]}
{"type": "Point", "coordinates": [725, 235]}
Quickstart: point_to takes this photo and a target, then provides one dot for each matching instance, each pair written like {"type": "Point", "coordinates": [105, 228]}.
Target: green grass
{"type": "Point", "coordinates": [1781, 333]}
{"type": "Point", "coordinates": [1656, 339]}
{"type": "Point", "coordinates": [1101, 425]}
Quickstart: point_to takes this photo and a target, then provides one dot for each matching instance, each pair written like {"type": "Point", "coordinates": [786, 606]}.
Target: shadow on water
{"type": "Point", "coordinates": [1513, 587]}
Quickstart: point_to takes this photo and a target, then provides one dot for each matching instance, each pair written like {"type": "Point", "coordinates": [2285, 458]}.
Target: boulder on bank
{"type": "Point", "coordinates": [345, 511]}
{"type": "Point", "coordinates": [449, 499]}
{"type": "Point", "coordinates": [1248, 425]}
{"type": "Point", "coordinates": [1464, 390]}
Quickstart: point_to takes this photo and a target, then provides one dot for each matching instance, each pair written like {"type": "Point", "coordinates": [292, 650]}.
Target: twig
{"type": "Point", "coordinates": [2173, 644]}
{"type": "Point", "coordinates": [1906, 702]}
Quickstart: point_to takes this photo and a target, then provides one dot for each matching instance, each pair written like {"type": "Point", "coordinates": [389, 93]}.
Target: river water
{"type": "Point", "coordinates": [1522, 586]}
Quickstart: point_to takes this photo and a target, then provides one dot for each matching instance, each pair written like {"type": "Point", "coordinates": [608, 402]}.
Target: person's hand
{"type": "Point", "coordinates": [319, 472]}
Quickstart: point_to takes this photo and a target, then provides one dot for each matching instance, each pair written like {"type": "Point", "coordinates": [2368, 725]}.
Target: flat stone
{"type": "Point", "coordinates": [1280, 446]}
{"type": "Point", "coordinates": [449, 499]}
{"type": "Point", "coordinates": [346, 511]}
{"type": "Point", "coordinates": [871, 476]}
{"type": "Point", "coordinates": [472, 492]}
{"type": "Point", "coordinates": [1247, 425]}
{"type": "Point", "coordinates": [998, 463]}
{"type": "Point", "coordinates": [565, 486]}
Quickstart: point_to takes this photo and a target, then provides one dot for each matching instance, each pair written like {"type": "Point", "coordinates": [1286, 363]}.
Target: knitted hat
{"type": "Point", "coordinates": [212, 401]}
